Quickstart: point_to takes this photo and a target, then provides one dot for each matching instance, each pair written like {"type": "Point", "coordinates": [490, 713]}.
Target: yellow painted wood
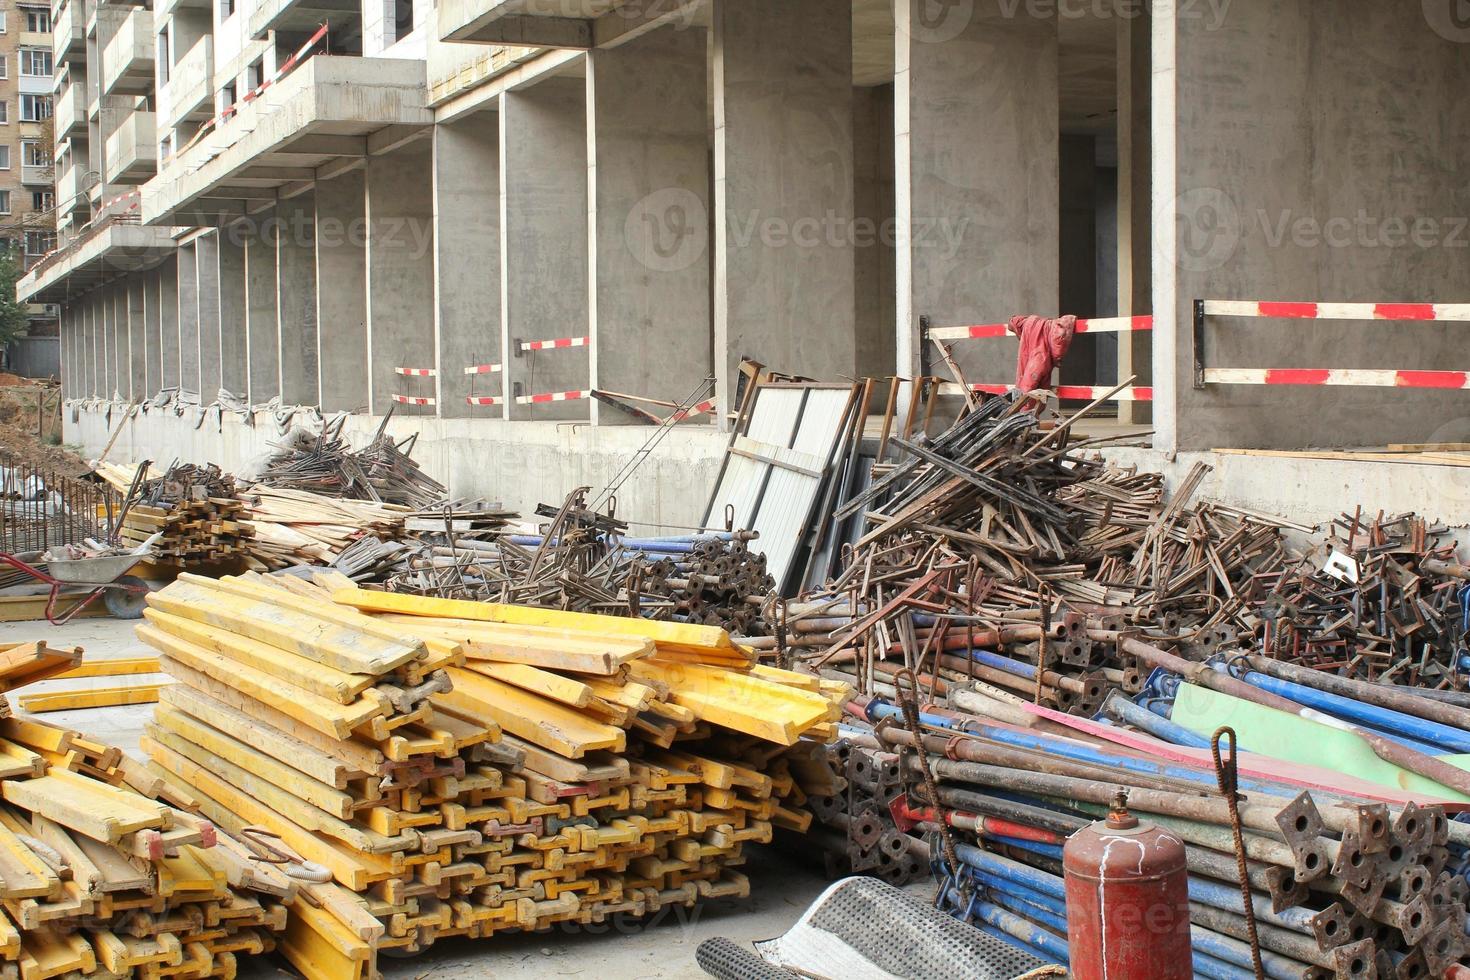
{"type": "Point", "coordinates": [48, 953]}
{"type": "Point", "coordinates": [537, 681]}
{"type": "Point", "coordinates": [22, 873]}
{"type": "Point", "coordinates": [202, 737]}
{"type": "Point", "coordinates": [36, 734]}
{"type": "Point", "coordinates": [89, 807]}
{"type": "Point", "coordinates": [357, 756]}
{"type": "Point", "coordinates": [533, 645]}
{"type": "Point", "coordinates": [280, 746]}
{"type": "Point", "coordinates": [746, 704]}
{"type": "Point", "coordinates": [300, 633]}
{"type": "Point", "coordinates": [535, 719]}
{"type": "Point", "coordinates": [118, 667]}
{"type": "Point", "coordinates": [18, 761]}
{"type": "Point", "coordinates": [26, 663]}
{"type": "Point", "coordinates": [629, 695]}
{"type": "Point", "coordinates": [672, 635]}
{"type": "Point", "coordinates": [95, 697]}
{"type": "Point", "coordinates": [339, 686]}
{"type": "Point", "coordinates": [312, 710]}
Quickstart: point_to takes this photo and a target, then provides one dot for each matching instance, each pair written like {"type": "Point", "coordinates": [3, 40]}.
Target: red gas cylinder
{"type": "Point", "coordinates": [1127, 900]}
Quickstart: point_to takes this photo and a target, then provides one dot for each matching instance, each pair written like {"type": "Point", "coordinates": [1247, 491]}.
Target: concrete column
{"type": "Point", "coordinates": [648, 185]}
{"type": "Point", "coordinates": [784, 263]}
{"type": "Point", "coordinates": [1289, 167]}
{"type": "Point", "coordinates": [1135, 207]}
{"type": "Point", "coordinates": [123, 341]}
{"type": "Point", "coordinates": [263, 340]}
{"type": "Point", "coordinates": [188, 293]}
{"type": "Point", "coordinates": [234, 358]}
{"type": "Point", "coordinates": [99, 345]}
{"type": "Point", "coordinates": [543, 244]}
{"type": "Point", "coordinates": [873, 239]}
{"type": "Point", "coordinates": [91, 357]}
{"type": "Point", "coordinates": [400, 272]}
{"type": "Point", "coordinates": [115, 382]}
{"type": "Point", "coordinates": [206, 271]}
{"type": "Point", "coordinates": [168, 321]}
{"type": "Point", "coordinates": [296, 300]}
{"type": "Point", "coordinates": [341, 269]}
{"type": "Point", "coordinates": [976, 134]}
{"type": "Point", "coordinates": [467, 260]}
{"type": "Point", "coordinates": [139, 351]}
{"type": "Point", "coordinates": [153, 334]}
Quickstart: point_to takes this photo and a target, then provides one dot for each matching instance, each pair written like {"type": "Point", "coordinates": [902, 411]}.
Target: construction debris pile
{"type": "Point", "coordinates": [103, 871]}
{"type": "Point", "coordinates": [298, 527]}
{"type": "Point", "coordinates": [462, 768]}
{"type": "Point", "coordinates": [189, 515]}
{"type": "Point", "coordinates": [382, 471]}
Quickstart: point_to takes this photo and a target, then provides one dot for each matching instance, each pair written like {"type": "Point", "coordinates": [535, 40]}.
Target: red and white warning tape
{"type": "Point", "coordinates": [417, 372]}
{"type": "Point", "coordinates": [482, 369]}
{"type": "Point", "coordinates": [1083, 392]}
{"type": "Point", "coordinates": [1339, 311]}
{"type": "Point", "coordinates": [1347, 377]}
{"type": "Point", "coordinates": [552, 396]}
{"type": "Point", "coordinates": [693, 411]}
{"type": "Point", "coordinates": [230, 110]}
{"type": "Point", "coordinates": [557, 344]}
{"type": "Point", "coordinates": [1117, 324]}
{"type": "Point", "coordinates": [484, 400]}
{"type": "Point", "coordinates": [409, 400]}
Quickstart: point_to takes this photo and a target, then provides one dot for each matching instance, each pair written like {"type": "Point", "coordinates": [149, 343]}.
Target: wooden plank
{"type": "Point", "coordinates": [95, 697]}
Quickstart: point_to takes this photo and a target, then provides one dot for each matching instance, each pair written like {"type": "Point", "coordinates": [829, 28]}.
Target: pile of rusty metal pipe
{"type": "Point", "coordinates": [1338, 887]}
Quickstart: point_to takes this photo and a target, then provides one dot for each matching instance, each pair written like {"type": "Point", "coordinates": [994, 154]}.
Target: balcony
{"type": "Point", "coordinates": [330, 111]}
{"type": "Point", "coordinates": [66, 33]}
{"type": "Point", "coordinates": [164, 8]}
{"type": "Point", "coordinates": [563, 24]}
{"type": "Point", "coordinates": [127, 61]}
{"type": "Point", "coordinates": [188, 92]}
{"type": "Point", "coordinates": [304, 16]}
{"type": "Point", "coordinates": [70, 113]}
{"type": "Point", "coordinates": [132, 150]}
{"type": "Point", "coordinates": [71, 191]}
{"type": "Point", "coordinates": [36, 176]}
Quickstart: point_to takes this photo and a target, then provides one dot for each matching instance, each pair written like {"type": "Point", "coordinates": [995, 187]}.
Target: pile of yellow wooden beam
{"type": "Point", "coordinates": [101, 873]}
{"type": "Point", "coordinates": [462, 768]}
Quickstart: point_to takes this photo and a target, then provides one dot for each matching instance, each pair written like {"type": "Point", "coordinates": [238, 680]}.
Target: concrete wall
{"type": "Point", "coordinates": [1310, 152]}
{"type": "Point", "coordinates": [543, 246]}
{"type": "Point", "coordinates": [467, 261]}
{"type": "Point", "coordinates": [400, 272]}
{"type": "Point", "coordinates": [784, 262]}
{"type": "Point", "coordinates": [977, 183]}
{"type": "Point", "coordinates": [519, 464]}
{"type": "Point", "coordinates": [648, 181]}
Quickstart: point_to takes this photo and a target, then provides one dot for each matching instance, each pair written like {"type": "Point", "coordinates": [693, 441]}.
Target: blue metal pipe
{"type": "Point", "coordinates": [1207, 891]}
{"type": "Point", "coordinates": [1420, 729]}
{"type": "Point", "coordinates": [1010, 940]}
{"type": "Point", "coordinates": [1161, 728]}
{"type": "Point", "coordinates": [1036, 913]}
{"type": "Point", "coordinates": [1053, 851]}
{"type": "Point", "coordinates": [1023, 929]}
{"type": "Point", "coordinates": [1008, 870]}
{"type": "Point", "coordinates": [879, 709]}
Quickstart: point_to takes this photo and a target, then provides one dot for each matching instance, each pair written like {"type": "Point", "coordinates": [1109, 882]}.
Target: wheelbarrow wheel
{"type": "Point", "coordinates": [125, 603]}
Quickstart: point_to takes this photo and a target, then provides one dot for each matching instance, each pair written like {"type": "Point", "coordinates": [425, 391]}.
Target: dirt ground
{"type": "Point", "coordinates": [18, 425]}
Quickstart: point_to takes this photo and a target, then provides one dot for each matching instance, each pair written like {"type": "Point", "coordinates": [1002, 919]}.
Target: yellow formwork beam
{"type": "Point", "coordinates": [666, 635]}
{"type": "Point", "coordinates": [320, 679]}
{"type": "Point", "coordinates": [96, 697]}
{"type": "Point", "coordinates": [301, 633]}
{"type": "Point", "coordinates": [535, 719]}
{"type": "Point", "coordinates": [118, 667]}
{"type": "Point", "coordinates": [748, 704]}
{"type": "Point", "coordinates": [96, 809]}
{"type": "Point", "coordinates": [537, 646]}
{"type": "Point", "coordinates": [329, 717]}
{"type": "Point", "coordinates": [543, 682]}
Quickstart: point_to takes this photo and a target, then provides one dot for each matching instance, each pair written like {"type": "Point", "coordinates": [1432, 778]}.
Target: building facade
{"type": "Point", "coordinates": [366, 207]}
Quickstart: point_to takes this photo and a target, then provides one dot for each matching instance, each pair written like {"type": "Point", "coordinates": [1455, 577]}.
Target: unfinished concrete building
{"type": "Point", "coordinates": [479, 212]}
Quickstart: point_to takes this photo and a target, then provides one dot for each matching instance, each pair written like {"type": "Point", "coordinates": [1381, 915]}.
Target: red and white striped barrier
{"type": "Point", "coordinates": [1118, 324]}
{"type": "Point", "coordinates": [411, 400]}
{"type": "Point", "coordinates": [482, 369]}
{"type": "Point", "coordinates": [693, 411]}
{"type": "Point", "coordinates": [1328, 377]}
{"type": "Point", "coordinates": [545, 398]}
{"type": "Point", "coordinates": [484, 400]}
{"type": "Point", "coordinates": [417, 372]}
{"type": "Point", "coordinates": [558, 343]}
{"type": "Point", "coordinates": [1344, 377]}
{"type": "Point", "coordinates": [1423, 312]}
{"type": "Point", "coordinates": [1080, 392]}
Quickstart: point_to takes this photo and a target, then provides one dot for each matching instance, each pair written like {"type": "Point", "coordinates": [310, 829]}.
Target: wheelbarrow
{"type": "Point", "coordinates": [85, 579]}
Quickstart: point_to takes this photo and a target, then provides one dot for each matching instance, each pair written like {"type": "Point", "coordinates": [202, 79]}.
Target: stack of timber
{"type": "Point", "coordinates": [104, 872]}
{"type": "Point", "coordinates": [192, 510]}
{"type": "Point", "coordinates": [461, 768]}
{"type": "Point", "coordinates": [298, 527]}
